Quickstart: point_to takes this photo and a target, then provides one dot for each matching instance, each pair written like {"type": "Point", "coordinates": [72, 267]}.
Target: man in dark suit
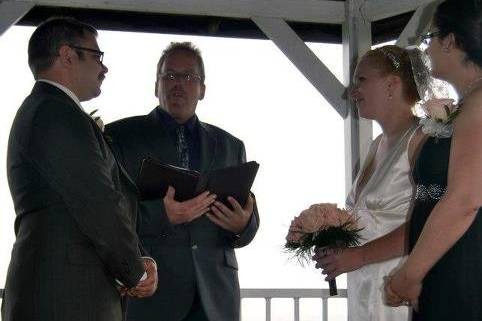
{"type": "Point", "coordinates": [76, 209]}
{"type": "Point", "coordinates": [192, 241]}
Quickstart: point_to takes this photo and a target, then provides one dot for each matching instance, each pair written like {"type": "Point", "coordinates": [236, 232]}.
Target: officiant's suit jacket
{"type": "Point", "coordinates": [76, 216]}
{"type": "Point", "coordinates": [196, 256]}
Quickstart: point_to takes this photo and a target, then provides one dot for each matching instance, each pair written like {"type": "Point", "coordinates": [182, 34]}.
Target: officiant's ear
{"type": "Point", "coordinates": [202, 91]}
{"type": "Point", "coordinates": [156, 86]}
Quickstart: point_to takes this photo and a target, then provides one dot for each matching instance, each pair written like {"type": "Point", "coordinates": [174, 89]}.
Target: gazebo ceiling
{"type": "Point", "coordinates": [203, 25]}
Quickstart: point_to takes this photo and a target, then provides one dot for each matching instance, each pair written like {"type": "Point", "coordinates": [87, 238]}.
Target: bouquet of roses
{"type": "Point", "coordinates": [321, 225]}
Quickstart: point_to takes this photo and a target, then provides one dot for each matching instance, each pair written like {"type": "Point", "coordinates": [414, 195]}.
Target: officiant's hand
{"type": "Point", "coordinates": [148, 286]}
{"type": "Point", "coordinates": [337, 261]}
{"type": "Point", "coordinates": [234, 220]}
{"type": "Point", "coordinates": [183, 212]}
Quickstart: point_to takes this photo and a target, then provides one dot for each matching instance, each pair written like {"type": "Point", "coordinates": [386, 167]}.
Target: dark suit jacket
{"type": "Point", "coordinates": [198, 255]}
{"type": "Point", "coordinates": [76, 216]}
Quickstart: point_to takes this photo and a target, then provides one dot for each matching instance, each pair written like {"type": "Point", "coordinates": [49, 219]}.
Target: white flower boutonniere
{"type": "Point", "coordinates": [440, 114]}
{"type": "Point", "coordinates": [97, 120]}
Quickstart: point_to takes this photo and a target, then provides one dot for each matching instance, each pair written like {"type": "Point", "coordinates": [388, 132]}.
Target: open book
{"type": "Point", "coordinates": [236, 181]}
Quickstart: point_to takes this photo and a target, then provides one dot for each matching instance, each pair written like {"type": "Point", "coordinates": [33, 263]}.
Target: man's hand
{"type": "Point", "coordinates": [234, 220]}
{"type": "Point", "coordinates": [183, 212]}
{"type": "Point", "coordinates": [148, 286]}
{"type": "Point", "coordinates": [337, 261]}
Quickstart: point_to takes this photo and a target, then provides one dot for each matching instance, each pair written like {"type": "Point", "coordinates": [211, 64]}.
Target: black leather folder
{"type": "Point", "coordinates": [236, 181]}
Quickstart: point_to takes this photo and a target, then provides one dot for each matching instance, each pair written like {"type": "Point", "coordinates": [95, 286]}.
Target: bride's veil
{"type": "Point", "coordinates": [428, 87]}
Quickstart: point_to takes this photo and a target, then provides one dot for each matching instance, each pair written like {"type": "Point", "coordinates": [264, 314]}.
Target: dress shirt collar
{"type": "Point", "coordinates": [171, 123]}
{"type": "Point", "coordinates": [66, 90]}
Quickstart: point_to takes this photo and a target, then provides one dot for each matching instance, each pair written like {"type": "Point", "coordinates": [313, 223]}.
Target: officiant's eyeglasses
{"type": "Point", "coordinates": [181, 76]}
{"type": "Point", "coordinates": [426, 38]}
{"type": "Point", "coordinates": [97, 53]}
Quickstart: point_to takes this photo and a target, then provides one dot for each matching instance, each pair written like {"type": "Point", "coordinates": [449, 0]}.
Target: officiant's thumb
{"type": "Point", "coordinates": [170, 192]}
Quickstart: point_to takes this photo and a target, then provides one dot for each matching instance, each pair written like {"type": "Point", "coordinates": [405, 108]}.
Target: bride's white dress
{"type": "Point", "coordinates": [381, 206]}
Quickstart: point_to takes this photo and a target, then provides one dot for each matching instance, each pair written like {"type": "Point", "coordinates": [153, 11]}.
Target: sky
{"type": "Point", "coordinates": [254, 92]}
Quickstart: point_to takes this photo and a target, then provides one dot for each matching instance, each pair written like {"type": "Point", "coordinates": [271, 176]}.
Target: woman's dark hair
{"type": "Point", "coordinates": [463, 18]}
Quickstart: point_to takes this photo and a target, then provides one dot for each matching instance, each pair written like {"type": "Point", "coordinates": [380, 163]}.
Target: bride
{"type": "Point", "coordinates": [385, 91]}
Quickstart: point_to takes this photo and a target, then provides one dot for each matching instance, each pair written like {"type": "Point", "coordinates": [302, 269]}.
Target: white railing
{"type": "Point", "coordinates": [295, 294]}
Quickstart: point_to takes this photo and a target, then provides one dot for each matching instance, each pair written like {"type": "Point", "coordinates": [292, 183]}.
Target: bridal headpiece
{"type": "Point", "coordinates": [435, 109]}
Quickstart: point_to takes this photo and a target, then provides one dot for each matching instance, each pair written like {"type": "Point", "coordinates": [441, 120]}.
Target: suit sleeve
{"type": "Point", "coordinates": [65, 148]}
{"type": "Point", "coordinates": [251, 229]}
{"type": "Point", "coordinates": [152, 220]}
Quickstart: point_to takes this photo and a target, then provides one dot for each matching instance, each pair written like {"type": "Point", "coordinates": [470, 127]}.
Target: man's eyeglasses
{"type": "Point", "coordinates": [99, 54]}
{"type": "Point", "coordinates": [181, 76]}
{"type": "Point", "coordinates": [426, 38]}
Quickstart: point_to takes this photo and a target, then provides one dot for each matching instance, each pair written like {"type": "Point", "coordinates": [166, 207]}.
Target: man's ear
{"type": "Point", "coordinates": [65, 55]}
{"type": "Point", "coordinates": [156, 87]}
{"type": "Point", "coordinates": [202, 92]}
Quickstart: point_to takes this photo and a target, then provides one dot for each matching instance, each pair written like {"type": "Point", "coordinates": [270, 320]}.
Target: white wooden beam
{"type": "Point", "coordinates": [418, 25]}
{"type": "Point", "coordinates": [11, 12]}
{"type": "Point", "coordinates": [358, 131]}
{"type": "Point", "coordinates": [315, 11]}
{"type": "Point", "coordinates": [381, 9]}
{"type": "Point", "coordinates": [305, 60]}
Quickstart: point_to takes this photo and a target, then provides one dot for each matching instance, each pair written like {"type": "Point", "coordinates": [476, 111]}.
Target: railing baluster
{"type": "Point", "coordinates": [268, 309]}
{"type": "Point", "coordinates": [297, 308]}
{"type": "Point", "coordinates": [241, 309]}
{"type": "Point", "coordinates": [296, 295]}
{"type": "Point", "coordinates": [325, 309]}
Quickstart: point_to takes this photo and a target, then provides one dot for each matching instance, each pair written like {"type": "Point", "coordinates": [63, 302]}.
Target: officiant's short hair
{"type": "Point", "coordinates": [182, 46]}
{"type": "Point", "coordinates": [50, 35]}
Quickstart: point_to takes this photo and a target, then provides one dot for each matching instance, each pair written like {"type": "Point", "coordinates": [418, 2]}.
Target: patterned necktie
{"type": "Point", "coordinates": [182, 148]}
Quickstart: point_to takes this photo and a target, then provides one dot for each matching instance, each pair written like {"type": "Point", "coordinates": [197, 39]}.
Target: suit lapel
{"type": "Point", "coordinates": [208, 147]}
{"type": "Point", "coordinates": [158, 142]}
{"type": "Point", "coordinates": [103, 140]}
{"type": "Point", "coordinates": [46, 88]}
{"type": "Point", "coordinates": [124, 172]}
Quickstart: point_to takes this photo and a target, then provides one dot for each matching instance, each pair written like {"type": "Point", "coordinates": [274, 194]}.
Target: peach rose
{"type": "Point", "coordinates": [439, 109]}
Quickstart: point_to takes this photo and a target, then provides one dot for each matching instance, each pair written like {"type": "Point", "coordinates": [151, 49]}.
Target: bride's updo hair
{"type": "Point", "coordinates": [463, 18]}
{"type": "Point", "coordinates": [393, 60]}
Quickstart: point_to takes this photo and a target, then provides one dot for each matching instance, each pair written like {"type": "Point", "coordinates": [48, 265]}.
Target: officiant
{"type": "Point", "coordinates": [192, 241]}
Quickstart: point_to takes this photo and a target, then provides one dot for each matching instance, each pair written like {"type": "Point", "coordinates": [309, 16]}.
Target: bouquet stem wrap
{"type": "Point", "coordinates": [333, 288]}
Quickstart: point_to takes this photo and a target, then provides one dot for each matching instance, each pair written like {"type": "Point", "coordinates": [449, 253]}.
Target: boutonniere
{"type": "Point", "coordinates": [98, 121]}
{"type": "Point", "coordinates": [439, 116]}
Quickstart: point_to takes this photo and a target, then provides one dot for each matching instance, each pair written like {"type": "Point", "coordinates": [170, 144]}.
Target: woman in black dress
{"type": "Point", "coordinates": [442, 277]}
